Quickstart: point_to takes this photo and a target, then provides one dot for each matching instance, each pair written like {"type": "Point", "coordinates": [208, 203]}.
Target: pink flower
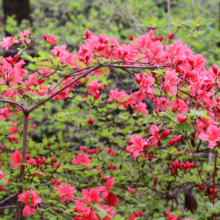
{"type": "Point", "coordinates": [82, 159]}
{"type": "Point", "coordinates": [4, 113]}
{"type": "Point", "coordinates": [117, 95]}
{"type": "Point", "coordinates": [147, 84]}
{"type": "Point", "coordinates": [1, 175]}
{"type": "Point", "coordinates": [51, 39]}
{"type": "Point", "coordinates": [161, 104]}
{"type": "Point", "coordinates": [141, 107]}
{"type": "Point", "coordinates": [35, 199]}
{"type": "Point", "coordinates": [214, 135]}
{"type": "Point", "coordinates": [88, 34]}
{"type": "Point", "coordinates": [155, 132]}
{"type": "Point", "coordinates": [179, 106]}
{"type": "Point", "coordinates": [24, 37]}
{"type": "Point", "coordinates": [28, 210]}
{"type": "Point", "coordinates": [109, 185]}
{"type": "Point", "coordinates": [93, 86]}
{"type": "Point", "coordinates": [86, 213]}
{"type": "Point", "coordinates": [92, 195]}
{"type": "Point", "coordinates": [66, 192]}
{"type": "Point", "coordinates": [170, 80]}
{"type": "Point", "coordinates": [12, 138]}
{"type": "Point", "coordinates": [16, 159]}
{"type": "Point", "coordinates": [137, 146]}
{"type": "Point", "coordinates": [8, 42]}
{"type": "Point", "coordinates": [45, 71]}
{"type": "Point", "coordinates": [111, 199]}
{"type": "Point", "coordinates": [131, 190]}
{"type": "Point", "coordinates": [24, 197]}
{"type": "Point", "coordinates": [170, 217]}
{"type": "Point", "coordinates": [109, 210]}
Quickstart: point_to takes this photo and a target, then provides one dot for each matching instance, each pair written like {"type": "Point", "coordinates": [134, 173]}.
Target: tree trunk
{"type": "Point", "coordinates": [21, 10]}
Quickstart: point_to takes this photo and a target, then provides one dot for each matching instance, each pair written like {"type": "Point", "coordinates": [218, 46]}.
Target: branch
{"type": "Point", "coordinates": [8, 207]}
{"type": "Point", "coordinates": [12, 102]}
{"type": "Point", "coordinates": [186, 188]}
{"type": "Point", "coordinates": [17, 94]}
{"type": "Point", "coordinates": [23, 161]}
{"type": "Point", "coordinates": [30, 109]}
{"type": "Point", "coordinates": [137, 67]}
{"type": "Point", "coordinates": [6, 199]}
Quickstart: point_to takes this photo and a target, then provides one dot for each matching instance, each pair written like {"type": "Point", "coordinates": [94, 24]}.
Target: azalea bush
{"type": "Point", "coordinates": [134, 143]}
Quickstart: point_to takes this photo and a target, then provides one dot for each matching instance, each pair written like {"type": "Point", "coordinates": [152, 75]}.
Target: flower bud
{"type": "Point", "coordinates": [172, 141]}
{"type": "Point", "coordinates": [52, 160]}
{"type": "Point", "coordinates": [141, 213]}
{"type": "Point", "coordinates": [173, 164]}
{"type": "Point", "coordinates": [45, 37]}
{"type": "Point", "coordinates": [137, 79]}
{"type": "Point", "coordinates": [170, 36]}
{"type": "Point", "coordinates": [15, 58]}
{"type": "Point", "coordinates": [165, 133]}
{"type": "Point", "coordinates": [177, 164]}
{"type": "Point", "coordinates": [131, 38]}
{"type": "Point", "coordinates": [9, 60]}
{"type": "Point", "coordinates": [58, 182]}
{"type": "Point", "coordinates": [215, 69]}
{"type": "Point", "coordinates": [155, 181]}
{"type": "Point", "coordinates": [178, 138]}
{"type": "Point", "coordinates": [57, 165]}
{"type": "Point", "coordinates": [90, 121]}
{"type": "Point", "coordinates": [27, 156]}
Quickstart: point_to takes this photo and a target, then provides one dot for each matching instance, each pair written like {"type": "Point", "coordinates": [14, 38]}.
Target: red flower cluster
{"type": "Point", "coordinates": [177, 165]}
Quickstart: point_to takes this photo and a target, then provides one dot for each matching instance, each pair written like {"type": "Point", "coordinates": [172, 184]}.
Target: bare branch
{"type": "Point", "coordinates": [6, 199]}
{"type": "Point", "coordinates": [8, 207]}
{"type": "Point", "coordinates": [12, 102]}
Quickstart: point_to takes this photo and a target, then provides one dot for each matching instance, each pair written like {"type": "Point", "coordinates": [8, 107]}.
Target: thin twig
{"type": "Point", "coordinates": [6, 199]}
{"type": "Point", "coordinates": [30, 109]}
{"type": "Point", "coordinates": [17, 94]}
{"type": "Point", "coordinates": [8, 207]}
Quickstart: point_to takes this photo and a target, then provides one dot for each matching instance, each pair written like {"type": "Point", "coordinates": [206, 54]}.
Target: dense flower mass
{"type": "Point", "coordinates": [169, 111]}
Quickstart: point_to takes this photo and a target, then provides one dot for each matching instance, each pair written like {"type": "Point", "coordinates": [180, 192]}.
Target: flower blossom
{"type": "Point", "coordinates": [82, 159]}
{"type": "Point", "coordinates": [137, 146]}
{"type": "Point", "coordinates": [28, 209]}
{"type": "Point", "coordinates": [16, 159]}
{"type": "Point", "coordinates": [66, 192]}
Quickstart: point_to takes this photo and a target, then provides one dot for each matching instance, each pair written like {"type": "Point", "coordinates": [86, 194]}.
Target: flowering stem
{"type": "Point", "coordinates": [213, 186]}
{"type": "Point", "coordinates": [23, 160]}
{"type": "Point", "coordinates": [196, 163]}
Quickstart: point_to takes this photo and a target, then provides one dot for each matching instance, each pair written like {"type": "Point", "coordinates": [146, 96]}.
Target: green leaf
{"type": "Point", "coordinates": [197, 113]}
{"type": "Point", "coordinates": [185, 127]}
